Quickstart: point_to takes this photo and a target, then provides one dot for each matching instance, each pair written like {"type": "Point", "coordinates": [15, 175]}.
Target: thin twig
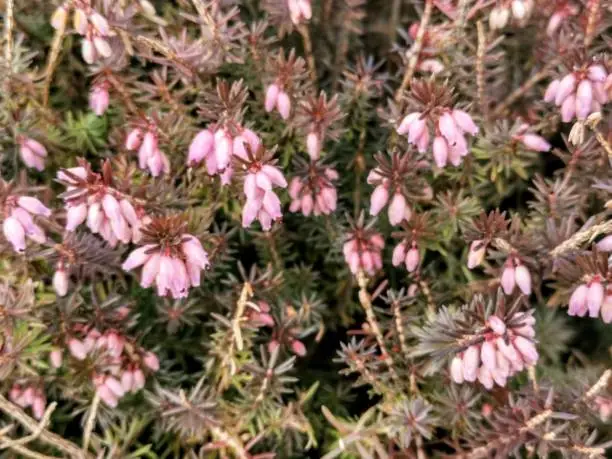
{"type": "Point", "coordinates": [245, 295]}
{"type": "Point", "coordinates": [480, 79]}
{"type": "Point", "coordinates": [582, 237]}
{"type": "Point", "coordinates": [593, 7]}
{"type": "Point", "coordinates": [29, 453]}
{"type": "Point", "coordinates": [601, 384]}
{"type": "Point", "coordinates": [366, 302]}
{"type": "Point", "coordinates": [35, 433]}
{"type": "Point", "coordinates": [431, 305]}
{"type": "Point", "coordinates": [56, 47]}
{"type": "Point", "coordinates": [9, 23]}
{"type": "Point", "coordinates": [91, 419]}
{"type": "Point", "coordinates": [19, 415]}
{"type": "Point", "coordinates": [415, 50]}
{"type": "Point", "coordinates": [312, 66]}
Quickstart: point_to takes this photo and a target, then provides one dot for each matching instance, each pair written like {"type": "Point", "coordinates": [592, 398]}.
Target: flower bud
{"type": "Point", "coordinates": [508, 280]}
{"type": "Point", "coordinates": [456, 369]}
{"type": "Point", "coordinates": [523, 279]}
{"type": "Point", "coordinates": [60, 282]}
{"type": "Point", "coordinates": [412, 259]}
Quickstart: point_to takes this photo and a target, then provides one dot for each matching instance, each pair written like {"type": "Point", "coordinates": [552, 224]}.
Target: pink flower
{"type": "Point", "coordinates": [508, 280]}
{"type": "Point", "coordinates": [523, 279]}
{"type": "Point", "coordinates": [456, 369]}
{"type": "Point", "coordinates": [584, 99]}
{"type": "Point", "coordinates": [56, 358]}
{"type": "Point", "coordinates": [313, 145]}
{"type": "Point", "coordinates": [299, 10]}
{"type": "Point", "coordinates": [60, 281]}
{"type": "Point", "coordinates": [14, 233]}
{"type": "Point", "coordinates": [362, 251]}
{"type": "Point", "coordinates": [59, 18]}
{"type": "Point", "coordinates": [283, 105]}
{"type": "Point", "coordinates": [605, 245]}
{"type": "Point", "coordinates": [397, 209]}
{"type": "Point", "coordinates": [578, 301]}
{"type": "Point", "coordinates": [99, 99]}
{"type": "Point", "coordinates": [77, 349]}
{"type": "Point", "coordinates": [595, 297]}
{"type": "Point", "coordinates": [412, 259]}
{"type": "Point", "coordinates": [379, 199]}
{"type": "Point", "coordinates": [314, 191]}
{"type": "Point", "coordinates": [201, 148]}
{"type": "Point", "coordinates": [151, 361]}
{"type": "Point", "coordinates": [32, 153]}
{"type": "Point", "coordinates": [440, 151]}
{"type": "Point", "coordinates": [534, 142]}
{"type": "Point", "coordinates": [262, 203]}
{"type": "Point", "coordinates": [271, 97]}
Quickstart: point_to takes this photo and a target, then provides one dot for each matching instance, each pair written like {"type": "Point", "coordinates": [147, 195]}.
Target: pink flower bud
{"type": "Point", "coordinates": [115, 386]}
{"type": "Point", "coordinates": [271, 97]}
{"type": "Point", "coordinates": [14, 233]}
{"type": "Point", "coordinates": [275, 175]}
{"type": "Point", "coordinates": [567, 86]}
{"type": "Point", "coordinates": [448, 127]}
{"type": "Point", "coordinates": [476, 254]}
{"type": "Point", "coordinates": [578, 301]}
{"type": "Point", "coordinates": [139, 380]}
{"type": "Point", "coordinates": [551, 91]}
{"type": "Point", "coordinates": [99, 100]}
{"type": "Point", "coordinates": [422, 142]}
{"type": "Point", "coordinates": [523, 279]}
{"type": "Point", "coordinates": [412, 259]}
{"type": "Point", "coordinates": [75, 216]}
{"type": "Point", "coordinates": [584, 98]}
{"type": "Point", "coordinates": [465, 122]}
{"type": "Point", "coordinates": [283, 104]}
{"type": "Point", "coordinates": [150, 270]}
{"type": "Point", "coordinates": [151, 361]}
{"type": "Point", "coordinates": [606, 309]}
{"type": "Point", "coordinates": [416, 130]}
{"type": "Point", "coordinates": [568, 109]}
{"type": "Point", "coordinates": [471, 361]}
{"type": "Point", "coordinates": [107, 396]}
{"type": "Point", "coordinates": [456, 369]}
{"type": "Point", "coordinates": [59, 18]}
{"type": "Point", "coordinates": [38, 407]}
{"type": "Point", "coordinates": [313, 145]}
{"type": "Point", "coordinates": [60, 282]}
{"type": "Point", "coordinates": [379, 199]}
{"type": "Point", "coordinates": [498, 17]}
{"type": "Point", "coordinates": [127, 380]}
{"type": "Point", "coordinates": [527, 349]}
{"type": "Point", "coordinates": [77, 349]}
{"type": "Point", "coordinates": [595, 297]}
{"type": "Point", "coordinates": [56, 358]}
{"type": "Point", "coordinates": [134, 139]}
{"type": "Point", "coordinates": [440, 151]}
{"type": "Point", "coordinates": [88, 51]}
{"type": "Point", "coordinates": [497, 325]}
{"type": "Point", "coordinates": [597, 73]}
{"type": "Point", "coordinates": [535, 142]}
{"type": "Point", "coordinates": [487, 355]}
{"type": "Point", "coordinates": [298, 348]}
{"type": "Point", "coordinates": [508, 280]}
{"type": "Point", "coordinates": [397, 209]}
{"type": "Point", "coordinates": [399, 254]}
{"type": "Point", "coordinates": [137, 258]}
{"type": "Point", "coordinates": [485, 377]}
{"type": "Point", "coordinates": [553, 23]}
{"type": "Point", "coordinates": [33, 205]}
{"type": "Point", "coordinates": [404, 126]}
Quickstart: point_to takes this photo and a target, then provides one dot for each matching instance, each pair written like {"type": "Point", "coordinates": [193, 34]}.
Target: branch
{"type": "Point", "coordinates": [8, 25]}
{"type": "Point", "coordinates": [89, 425]}
{"type": "Point", "coordinates": [586, 235]}
{"type": "Point", "coordinates": [55, 440]}
{"type": "Point", "coordinates": [415, 50]}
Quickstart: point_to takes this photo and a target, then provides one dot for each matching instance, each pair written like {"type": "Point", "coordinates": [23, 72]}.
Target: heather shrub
{"type": "Point", "coordinates": [296, 228]}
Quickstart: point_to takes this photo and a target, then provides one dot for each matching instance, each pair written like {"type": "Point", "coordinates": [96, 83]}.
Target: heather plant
{"type": "Point", "coordinates": [305, 228]}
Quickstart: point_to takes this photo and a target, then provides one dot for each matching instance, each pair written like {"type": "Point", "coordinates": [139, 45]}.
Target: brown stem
{"type": "Point", "coordinates": [56, 47]}
{"type": "Point", "coordinates": [581, 237]}
{"type": "Point", "coordinates": [415, 51]}
{"type": "Point", "coordinates": [91, 419]}
{"type": "Point", "coordinates": [303, 29]}
{"type": "Point", "coordinates": [9, 24]}
{"type": "Point", "coordinates": [589, 34]}
{"type": "Point", "coordinates": [427, 292]}
{"type": "Point", "coordinates": [480, 78]}
{"type": "Point", "coordinates": [366, 302]}
{"type": "Point", "coordinates": [55, 440]}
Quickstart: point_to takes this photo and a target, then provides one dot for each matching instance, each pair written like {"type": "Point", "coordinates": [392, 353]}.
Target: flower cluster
{"type": "Point", "coordinates": [515, 274]}
{"type": "Point", "coordinates": [593, 297]}
{"type": "Point", "coordinates": [399, 209]}
{"type": "Point", "coordinates": [216, 146]}
{"type": "Point", "coordinates": [171, 259]}
{"type": "Point", "coordinates": [316, 118]}
{"type": "Point", "coordinates": [260, 178]}
{"type": "Point", "coordinates": [363, 248]}
{"type": "Point", "coordinates": [314, 191]}
{"type": "Point", "coordinates": [32, 153]}
{"type": "Point", "coordinates": [407, 253]}
{"type": "Point", "coordinates": [123, 364]}
{"type": "Point", "coordinates": [145, 140]}
{"type": "Point", "coordinates": [29, 396]}
{"type": "Point", "coordinates": [580, 92]}
{"type": "Point", "coordinates": [506, 349]}
{"type": "Point", "coordinates": [88, 23]}
{"type": "Point", "coordinates": [18, 222]}
{"type": "Point", "coordinates": [108, 212]}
